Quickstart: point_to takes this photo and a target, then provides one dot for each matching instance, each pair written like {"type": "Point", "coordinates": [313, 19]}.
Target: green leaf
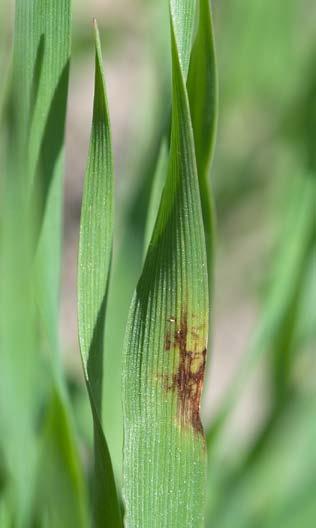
{"type": "Point", "coordinates": [34, 131]}
{"type": "Point", "coordinates": [156, 192]}
{"type": "Point", "coordinates": [183, 16]}
{"type": "Point", "coordinates": [299, 244]}
{"type": "Point", "coordinates": [280, 485]}
{"type": "Point", "coordinates": [41, 65]}
{"type": "Point", "coordinates": [164, 358]}
{"type": "Point", "coordinates": [60, 493]}
{"type": "Point", "coordinates": [18, 343]}
{"type": "Point", "coordinates": [95, 250]}
{"type": "Point", "coordinates": [202, 90]}
{"type": "Point", "coordinates": [273, 335]}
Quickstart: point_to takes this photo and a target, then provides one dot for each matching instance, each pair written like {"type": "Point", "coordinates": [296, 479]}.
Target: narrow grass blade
{"type": "Point", "coordinates": [301, 237]}
{"type": "Point", "coordinates": [36, 106]}
{"type": "Point", "coordinates": [60, 494]}
{"type": "Point", "coordinates": [95, 250]}
{"type": "Point", "coordinates": [279, 487]}
{"type": "Point", "coordinates": [272, 335]}
{"type": "Point", "coordinates": [202, 90]}
{"type": "Point", "coordinates": [164, 360]}
{"type": "Point", "coordinates": [18, 344]}
{"type": "Point", "coordinates": [183, 16]}
{"type": "Point", "coordinates": [41, 65]}
{"type": "Point", "coordinates": [156, 192]}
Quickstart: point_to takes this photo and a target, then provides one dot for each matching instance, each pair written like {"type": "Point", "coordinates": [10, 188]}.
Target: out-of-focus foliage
{"type": "Point", "coordinates": [264, 183]}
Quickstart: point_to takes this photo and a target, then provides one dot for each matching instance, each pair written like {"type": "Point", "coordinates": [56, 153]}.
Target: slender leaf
{"type": "Point", "coordinates": [202, 90]}
{"type": "Point", "coordinates": [35, 120]}
{"type": "Point", "coordinates": [280, 485]}
{"type": "Point", "coordinates": [164, 359]}
{"type": "Point", "coordinates": [18, 345]}
{"type": "Point", "coordinates": [41, 65]}
{"type": "Point", "coordinates": [273, 335]}
{"type": "Point", "coordinates": [60, 494]}
{"type": "Point", "coordinates": [96, 233]}
{"type": "Point", "coordinates": [183, 16]}
{"type": "Point", "coordinates": [156, 192]}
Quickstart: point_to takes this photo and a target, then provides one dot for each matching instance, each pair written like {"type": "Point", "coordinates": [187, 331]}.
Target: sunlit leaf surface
{"type": "Point", "coordinates": [165, 353]}
{"type": "Point", "coordinates": [96, 233]}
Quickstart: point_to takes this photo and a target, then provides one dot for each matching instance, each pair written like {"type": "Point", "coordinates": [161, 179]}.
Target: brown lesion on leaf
{"type": "Point", "coordinates": [187, 380]}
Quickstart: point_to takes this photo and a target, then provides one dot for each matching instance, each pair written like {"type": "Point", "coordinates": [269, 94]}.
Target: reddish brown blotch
{"type": "Point", "coordinates": [187, 380]}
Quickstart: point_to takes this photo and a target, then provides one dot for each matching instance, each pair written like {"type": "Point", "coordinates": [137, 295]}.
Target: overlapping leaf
{"type": "Point", "coordinates": [183, 16]}
{"type": "Point", "coordinates": [202, 90]}
{"type": "Point", "coordinates": [164, 451]}
{"type": "Point", "coordinates": [156, 192]}
{"type": "Point", "coordinates": [32, 182]}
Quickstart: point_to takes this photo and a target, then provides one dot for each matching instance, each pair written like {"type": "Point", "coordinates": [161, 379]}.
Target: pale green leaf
{"type": "Point", "coordinates": [274, 333]}
{"type": "Point", "coordinates": [41, 65]}
{"type": "Point", "coordinates": [35, 121]}
{"type": "Point", "coordinates": [95, 250]}
{"type": "Point", "coordinates": [60, 493]}
{"type": "Point", "coordinates": [278, 488]}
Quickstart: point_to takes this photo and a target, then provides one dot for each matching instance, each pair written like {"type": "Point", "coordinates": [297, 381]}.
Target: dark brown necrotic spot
{"type": "Point", "coordinates": [187, 380]}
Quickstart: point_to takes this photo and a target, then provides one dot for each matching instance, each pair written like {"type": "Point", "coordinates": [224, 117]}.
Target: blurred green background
{"type": "Point", "coordinates": [262, 457]}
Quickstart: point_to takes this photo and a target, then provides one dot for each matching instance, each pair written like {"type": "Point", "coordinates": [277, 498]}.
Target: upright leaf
{"type": "Point", "coordinates": [35, 122]}
{"type": "Point", "coordinates": [183, 16]}
{"type": "Point", "coordinates": [95, 249]}
{"type": "Point", "coordinates": [156, 192]}
{"type": "Point", "coordinates": [202, 90]}
{"type": "Point", "coordinates": [60, 494]}
{"type": "Point", "coordinates": [164, 359]}
{"type": "Point", "coordinates": [273, 336]}
{"type": "Point", "coordinates": [41, 66]}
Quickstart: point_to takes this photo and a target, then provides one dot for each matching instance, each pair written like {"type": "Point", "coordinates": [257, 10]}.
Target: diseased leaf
{"type": "Point", "coordinates": [164, 358]}
{"type": "Point", "coordinates": [95, 250]}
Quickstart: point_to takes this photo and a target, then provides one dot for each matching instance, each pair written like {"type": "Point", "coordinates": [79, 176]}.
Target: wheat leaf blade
{"type": "Point", "coordinates": [202, 90]}
{"type": "Point", "coordinates": [183, 16]}
{"type": "Point", "coordinates": [95, 249]}
{"type": "Point", "coordinates": [156, 192]}
{"type": "Point", "coordinates": [164, 360]}
{"type": "Point", "coordinates": [34, 119]}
